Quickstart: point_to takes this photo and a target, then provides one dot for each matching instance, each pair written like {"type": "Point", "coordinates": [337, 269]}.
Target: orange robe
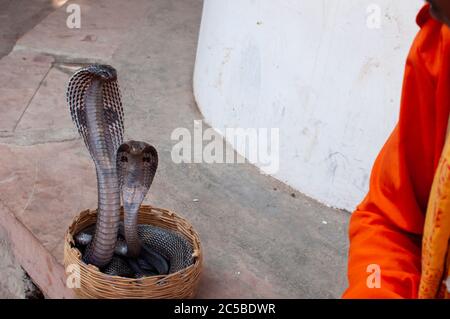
{"type": "Point", "coordinates": [386, 228]}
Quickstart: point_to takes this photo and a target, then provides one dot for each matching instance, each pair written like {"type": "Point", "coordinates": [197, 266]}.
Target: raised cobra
{"type": "Point", "coordinates": [136, 167]}
{"type": "Point", "coordinates": [124, 249]}
{"type": "Point", "coordinates": [96, 108]}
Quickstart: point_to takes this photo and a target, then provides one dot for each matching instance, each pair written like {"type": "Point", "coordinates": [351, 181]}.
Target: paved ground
{"type": "Point", "coordinates": [261, 238]}
{"type": "Point", "coordinates": [12, 277]}
{"type": "Point", "coordinates": [16, 18]}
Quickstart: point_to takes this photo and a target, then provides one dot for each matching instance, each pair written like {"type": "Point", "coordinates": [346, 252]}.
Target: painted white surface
{"type": "Point", "coordinates": [314, 70]}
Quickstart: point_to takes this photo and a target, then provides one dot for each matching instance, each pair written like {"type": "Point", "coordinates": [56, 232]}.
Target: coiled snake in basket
{"type": "Point", "coordinates": [123, 171]}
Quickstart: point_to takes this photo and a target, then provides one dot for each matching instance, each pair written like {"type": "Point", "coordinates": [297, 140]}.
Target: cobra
{"type": "Point", "coordinates": [96, 108]}
{"type": "Point", "coordinates": [126, 169]}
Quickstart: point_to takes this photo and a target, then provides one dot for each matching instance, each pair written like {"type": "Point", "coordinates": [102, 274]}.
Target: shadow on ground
{"type": "Point", "coordinates": [19, 16]}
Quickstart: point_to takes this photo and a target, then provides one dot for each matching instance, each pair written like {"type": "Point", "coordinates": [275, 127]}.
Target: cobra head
{"type": "Point", "coordinates": [136, 167]}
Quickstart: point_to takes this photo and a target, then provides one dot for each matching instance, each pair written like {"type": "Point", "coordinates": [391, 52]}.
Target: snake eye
{"type": "Point", "coordinates": [124, 159]}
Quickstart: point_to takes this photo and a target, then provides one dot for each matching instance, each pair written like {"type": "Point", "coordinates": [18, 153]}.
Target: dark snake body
{"type": "Point", "coordinates": [128, 169]}
{"type": "Point", "coordinates": [168, 244]}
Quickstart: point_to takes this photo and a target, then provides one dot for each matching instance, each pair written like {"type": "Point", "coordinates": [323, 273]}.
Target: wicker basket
{"type": "Point", "coordinates": [95, 284]}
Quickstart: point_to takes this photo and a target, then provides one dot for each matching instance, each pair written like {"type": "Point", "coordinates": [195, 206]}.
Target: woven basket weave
{"type": "Point", "coordinates": [95, 284]}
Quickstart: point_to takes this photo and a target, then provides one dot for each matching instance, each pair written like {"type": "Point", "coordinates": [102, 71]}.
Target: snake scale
{"type": "Point", "coordinates": [124, 171]}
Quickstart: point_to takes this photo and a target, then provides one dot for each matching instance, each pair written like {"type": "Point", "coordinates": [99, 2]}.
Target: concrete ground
{"type": "Point", "coordinates": [16, 18]}
{"type": "Point", "coordinates": [260, 237]}
{"type": "Point", "coordinates": [12, 278]}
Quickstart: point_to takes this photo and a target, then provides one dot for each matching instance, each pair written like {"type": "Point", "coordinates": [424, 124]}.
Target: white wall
{"type": "Point", "coordinates": [315, 70]}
